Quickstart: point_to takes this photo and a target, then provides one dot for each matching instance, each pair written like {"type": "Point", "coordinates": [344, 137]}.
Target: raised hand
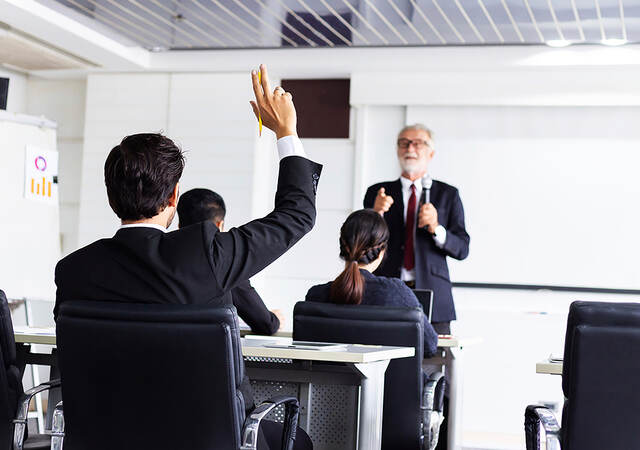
{"type": "Point", "coordinates": [276, 108]}
{"type": "Point", "coordinates": [383, 202]}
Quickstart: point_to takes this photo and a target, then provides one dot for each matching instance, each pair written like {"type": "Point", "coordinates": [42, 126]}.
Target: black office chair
{"type": "Point", "coordinates": [410, 420]}
{"type": "Point", "coordinates": [137, 376]}
{"type": "Point", "coordinates": [599, 379]}
{"type": "Point", "coordinates": [15, 402]}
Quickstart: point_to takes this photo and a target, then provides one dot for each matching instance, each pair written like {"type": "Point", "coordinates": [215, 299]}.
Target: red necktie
{"type": "Point", "coordinates": [409, 258]}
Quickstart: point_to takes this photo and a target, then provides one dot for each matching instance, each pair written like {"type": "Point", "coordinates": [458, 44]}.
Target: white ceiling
{"type": "Point", "coordinates": [27, 54]}
{"type": "Point", "coordinates": [218, 24]}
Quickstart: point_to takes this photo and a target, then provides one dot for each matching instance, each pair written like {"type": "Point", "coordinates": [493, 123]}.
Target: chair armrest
{"type": "Point", "coordinates": [432, 414]}
{"type": "Point", "coordinates": [57, 428]}
{"type": "Point", "coordinates": [20, 422]}
{"type": "Point", "coordinates": [534, 415]}
{"type": "Point", "coordinates": [252, 424]}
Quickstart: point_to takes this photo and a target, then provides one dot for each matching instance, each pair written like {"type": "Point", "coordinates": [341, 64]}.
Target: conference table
{"type": "Point", "coordinates": [334, 387]}
{"type": "Point", "coordinates": [450, 355]}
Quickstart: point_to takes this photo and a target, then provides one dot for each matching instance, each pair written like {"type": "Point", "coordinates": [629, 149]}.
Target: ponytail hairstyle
{"type": "Point", "coordinates": [363, 236]}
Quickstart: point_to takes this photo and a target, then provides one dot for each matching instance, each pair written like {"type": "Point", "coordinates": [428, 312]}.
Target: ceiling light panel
{"type": "Point", "coordinates": [226, 24]}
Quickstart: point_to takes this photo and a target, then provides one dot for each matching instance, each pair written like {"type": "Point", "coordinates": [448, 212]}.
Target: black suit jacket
{"type": "Point", "coordinates": [432, 271]}
{"type": "Point", "coordinates": [252, 309]}
{"type": "Point", "coordinates": [195, 264]}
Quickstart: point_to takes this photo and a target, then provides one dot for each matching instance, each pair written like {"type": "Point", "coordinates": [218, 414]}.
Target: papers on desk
{"type": "Point", "coordinates": [305, 345]}
{"type": "Point", "coordinates": [21, 329]}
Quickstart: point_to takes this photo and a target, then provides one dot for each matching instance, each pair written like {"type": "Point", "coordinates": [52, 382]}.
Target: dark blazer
{"type": "Point", "coordinates": [432, 271]}
{"type": "Point", "coordinates": [196, 264]}
{"type": "Point", "coordinates": [252, 309]}
{"type": "Point", "coordinates": [383, 291]}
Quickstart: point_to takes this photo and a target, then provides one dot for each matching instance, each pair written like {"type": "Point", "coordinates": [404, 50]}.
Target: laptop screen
{"type": "Point", "coordinates": [425, 297]}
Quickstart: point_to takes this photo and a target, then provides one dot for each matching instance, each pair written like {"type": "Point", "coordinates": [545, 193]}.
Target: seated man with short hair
{"type": "Point", "coordinates": [199, 205]}
{"type": "Point", "coordinates": [143, 263]}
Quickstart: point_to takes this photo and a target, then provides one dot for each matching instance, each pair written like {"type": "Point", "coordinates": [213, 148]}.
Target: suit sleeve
{"type": "Point", "coordinates": [242, 252]}
{"type": "Point", "coordinates": [457, 243]}
{"type": "Point", "coordinates": [252, 309]}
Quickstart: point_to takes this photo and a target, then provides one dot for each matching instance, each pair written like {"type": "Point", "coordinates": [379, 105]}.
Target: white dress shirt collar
{"type": "Point", "coordinates": [406, 184]}
{"type": "Point", "coordinates": [144, 225]}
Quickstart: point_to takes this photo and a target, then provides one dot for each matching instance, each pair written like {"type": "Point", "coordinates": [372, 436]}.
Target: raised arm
{"type": "Point", "coordinates": [242, 252]}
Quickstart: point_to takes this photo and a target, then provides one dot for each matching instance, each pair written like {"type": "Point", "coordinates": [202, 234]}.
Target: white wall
{"type": "Point", "coordinates": [17, 99]}
{"type": "Point", "coordinates": [63, 101]}
{"type": "Point", "coordinates": [210, 118]}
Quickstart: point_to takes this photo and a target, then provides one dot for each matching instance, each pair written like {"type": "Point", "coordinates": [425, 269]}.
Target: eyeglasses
{"type": "Point", "coordinates": [404, 143]}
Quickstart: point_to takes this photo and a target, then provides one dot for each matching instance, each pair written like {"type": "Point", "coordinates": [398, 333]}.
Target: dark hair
{"type": "Point", "coordinates": [362, 237]}
{"type": "Point", "coordinates": [141, 173]}
{"type": "Point", "coordinates": [199, 205]}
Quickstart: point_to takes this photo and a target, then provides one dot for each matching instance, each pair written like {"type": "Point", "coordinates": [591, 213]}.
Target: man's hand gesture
{"type": "Point", "coordinates": [383, 202]}
{"type": "Point", "coordinates": [276, 108]}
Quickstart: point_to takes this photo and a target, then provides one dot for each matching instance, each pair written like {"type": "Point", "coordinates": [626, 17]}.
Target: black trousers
{"type": "Point", "coordinates": [270, 437]}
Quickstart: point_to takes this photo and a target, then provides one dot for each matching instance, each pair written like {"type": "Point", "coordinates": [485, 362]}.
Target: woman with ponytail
{"type": "Point", "coordinates": [363, 241]}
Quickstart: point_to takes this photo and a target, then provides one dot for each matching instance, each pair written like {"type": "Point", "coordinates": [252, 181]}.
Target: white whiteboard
{"type": "Point", "coordinates": [551, 194]}
{"type": "Point", "coordinates": [29, 229]}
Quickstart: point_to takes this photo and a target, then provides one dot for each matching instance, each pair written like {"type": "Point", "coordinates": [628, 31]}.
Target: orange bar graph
{"type": "Point", "coordinates": [46, 186]}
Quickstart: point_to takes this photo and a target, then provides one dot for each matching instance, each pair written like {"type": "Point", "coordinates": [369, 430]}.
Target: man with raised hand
{"type": "Point", "coordinates": [143, 263]}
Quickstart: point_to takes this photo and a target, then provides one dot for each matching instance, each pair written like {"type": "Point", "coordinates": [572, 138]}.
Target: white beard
{"type": "Point", "coordinates": [409, 166]}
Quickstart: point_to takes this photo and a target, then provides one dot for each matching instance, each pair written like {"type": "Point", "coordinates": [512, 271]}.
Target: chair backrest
{"type": "Point", "coordinates": [425, 297]}
{"type": "Point", "coordinates": [10, 376]}
{"type": "Point", "coordinates": [599, 380]}
{"type": "Point", "coordinates": [376, 325]}
{"type": "Point", "coordinates": [150, 376]}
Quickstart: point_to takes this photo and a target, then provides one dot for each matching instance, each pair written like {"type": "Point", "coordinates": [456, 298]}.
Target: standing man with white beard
{"type": "Point", "coordinates": [422, 234]}
{"type": "Point", "coordinates": [424, 228]}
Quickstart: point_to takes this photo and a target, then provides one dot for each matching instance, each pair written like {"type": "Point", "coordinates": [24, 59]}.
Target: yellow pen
{"type": "Point", "coordinates": [259, 117]}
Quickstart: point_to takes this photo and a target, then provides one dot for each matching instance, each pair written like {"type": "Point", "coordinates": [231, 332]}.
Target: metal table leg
{"type": "Point", "coordinates": [371, 403]}
{"type": "Point", "coordinates": [454, 364]}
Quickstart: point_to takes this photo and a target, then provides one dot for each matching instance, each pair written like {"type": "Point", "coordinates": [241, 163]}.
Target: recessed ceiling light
{"type": "Point", "coordinates": [613, 42]}
{"type": "Point", "coordinates": [558, 43]}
